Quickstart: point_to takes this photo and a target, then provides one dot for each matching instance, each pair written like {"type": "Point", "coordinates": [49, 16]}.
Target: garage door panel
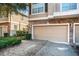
{"type": "Point", "coordinates": [77, 33]}
{"type": "Point", "coordinates": [51, 33]}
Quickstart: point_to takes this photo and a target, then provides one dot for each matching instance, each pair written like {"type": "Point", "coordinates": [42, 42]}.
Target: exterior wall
{"type": "Point", "coordinates": [23, 27]}
{"type": "Point", "coordinates": [38, 15]}
{"type": "Point", "coordinates": [71, 21]}
{"type": "Point", "coordinates": [5, 28]}
{"type": "Point", "coordinates": [3, 19]}
{"type": "Point", "coordinates": [38, 22]}
{"type": "Point", "coordinates": [20, 26]}
{"type": "Point", "coordinates": [64, 20]}
{"type": "Point", "coordinates": [19, 18]}
{"type": "Point", "coordinates": [14, 19]}
{"type": "Point", "coordinates": [55, 7]}
{"type": "Point", "coordinates": [51, 8]}
{"type": "Point", "coordinates": [20, 21]}
{"type": "Point", "coordinates": [58, 20]}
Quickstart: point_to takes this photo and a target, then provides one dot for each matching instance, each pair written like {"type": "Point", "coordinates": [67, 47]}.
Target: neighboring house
{"type": "Point", "coordinates": [13, 23]}
{"type": "Point", "coordinates": [56, 22]}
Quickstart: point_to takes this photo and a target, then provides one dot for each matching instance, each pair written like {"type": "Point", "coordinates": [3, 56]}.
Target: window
{"type": "Point", "coordinates": [37, 8]}
{"type": "Point", "coordinates": [69, 6]}
{"type": "Point", "coordinates": [15, 27]}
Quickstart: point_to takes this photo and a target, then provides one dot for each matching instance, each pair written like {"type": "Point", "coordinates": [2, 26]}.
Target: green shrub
{"type": "Point", "coordinates": [9, 41]}
{"type": "Point", "coordinates": [20, 33]}
{"type": "Point", "coordinates": [6, 34]}
{"type": "Point", "coordinates": [28, 36]}
{"type": "Point", "coordinates": [22, 37]}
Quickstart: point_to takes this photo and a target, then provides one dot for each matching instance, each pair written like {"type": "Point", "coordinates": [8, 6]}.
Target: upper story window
{"type": "Point", "coordinates": [38, 8]}
{"type": "Point", "coordinates": [69, 6]}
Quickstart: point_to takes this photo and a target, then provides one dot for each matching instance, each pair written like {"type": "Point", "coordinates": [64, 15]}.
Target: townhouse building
{"type": "Point", "coordinates": [55, 22]}
{"type": "Point", "coordinates": [12, 23]}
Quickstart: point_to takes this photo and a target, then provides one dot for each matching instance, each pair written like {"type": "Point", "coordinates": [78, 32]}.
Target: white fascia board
{"type": "Point", "coordinates": [71, 12]}
{"type": "Point", "coordinates": [40, 18]}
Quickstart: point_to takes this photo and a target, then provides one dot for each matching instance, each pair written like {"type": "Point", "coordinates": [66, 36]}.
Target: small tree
{"type": "Point", "coordinates": [8, 8]}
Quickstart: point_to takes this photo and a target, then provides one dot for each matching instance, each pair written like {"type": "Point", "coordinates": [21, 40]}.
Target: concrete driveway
{"type": "Point", "coordinates": [56, 49]}
{"type": "Point", "coordinates": [26, 48]}
{"type": "Point", "coordinates": [38, 48]}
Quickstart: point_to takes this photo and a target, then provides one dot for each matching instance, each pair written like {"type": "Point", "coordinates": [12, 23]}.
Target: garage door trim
{"type": "Point", "coordinates": [74, 26]}
{"type": "Point", "coordinates": [53, 25]}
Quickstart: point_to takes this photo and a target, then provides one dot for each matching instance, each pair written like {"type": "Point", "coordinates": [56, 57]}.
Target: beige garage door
{"type": "Point", "coordinates": [54, 33]}
{"type": "Point", "coordinates": [77, 33]}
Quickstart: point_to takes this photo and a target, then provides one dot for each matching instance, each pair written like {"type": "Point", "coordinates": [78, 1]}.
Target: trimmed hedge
{"type": "Point", "coordinates": [20, 33]}
{"type": "Point", "coordinates": [28, 36]}
{"type": "Point", "coordinates": [9, 41]}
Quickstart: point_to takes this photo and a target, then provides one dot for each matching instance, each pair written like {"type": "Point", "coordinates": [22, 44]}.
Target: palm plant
{"type": "Point", "coordinates": [8, 8]}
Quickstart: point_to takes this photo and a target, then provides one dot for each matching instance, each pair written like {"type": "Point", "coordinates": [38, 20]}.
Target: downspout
{"type": "Point", "coordinates": [71, 35]}
{"type": "Point", "coordinates": [10, 24]}
{"type": "Point", "coordinates": [9, 19]}
{"type": "Point", "coordinates": [19, 26]}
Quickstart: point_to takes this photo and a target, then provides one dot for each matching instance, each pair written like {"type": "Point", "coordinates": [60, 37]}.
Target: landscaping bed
{"type": "Point", "coordinates": [9, 41]}
{"type": "Point", "coordinates": [23, 35]}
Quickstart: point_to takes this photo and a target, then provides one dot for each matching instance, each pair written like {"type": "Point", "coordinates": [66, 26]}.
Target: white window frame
{"type": "Point", "coordinates": [67, 10]}
{"type": "Point", "coordinates": [40, 12]}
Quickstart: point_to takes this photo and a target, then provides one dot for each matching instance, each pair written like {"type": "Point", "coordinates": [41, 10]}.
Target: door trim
{"type": "Point", "coordinates": [74, 33]}
{"type": "Point", "coordinates": [53, 25]}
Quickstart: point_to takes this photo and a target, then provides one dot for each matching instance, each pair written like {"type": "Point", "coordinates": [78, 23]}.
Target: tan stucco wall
{"type": "Point", "coordinates": [53, 7]}
{"type": "Point", "coordinates": [3, 19]}
{"type": "Point", "coordinates": [5, 28]}
{"type": "Point", "coordinates": [20, 26]}
{"type": "Point", "coordinates": [19, 18]}
{"type": "Point", "coordinates": [14, 19]}
{"type": "Point", "coordinates": [38, 15]}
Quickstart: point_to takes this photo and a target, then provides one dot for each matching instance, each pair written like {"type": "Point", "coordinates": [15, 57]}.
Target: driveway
{"type": "Point", "coordinates": [26, 48]}
{"type": "Point", "coordinates": [56, 49]}
{"type": "Point", "coordinates": [38, 48]}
